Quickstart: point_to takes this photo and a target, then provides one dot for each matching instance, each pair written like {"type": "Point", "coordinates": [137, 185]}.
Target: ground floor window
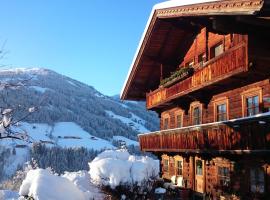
{"type": "Point", "coordinates": [166, 165]}
{"type": "Point", "coordinates": [179, 167]}
{"type": "Point", "coordinates": [257, 180]}
{"type": "Point", "coordinates": [199, 167]}
{"type": "Point", "coordinates": [224, 176]}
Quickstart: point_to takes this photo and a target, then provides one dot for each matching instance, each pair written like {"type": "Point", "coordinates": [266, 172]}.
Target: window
{"type": "Point", "coordinates": [221, 109]}
{"type": "Point", "coordinates": [196, 116]}
{"type": "Point", "coordinates": [166, 123]}
{"type": "Point", "coordinates": [252, 105]}
{"type": "Point", "coordinates": [216, 50]}
{"type": "Point", "coordinates": [221, 112]}
{"type": "Point", "coordinates": [201, 59]}
{"type": "Point", "coordinates": [199, 167]}
{"type": "Point", "coordinates": [179, 167]}
{"type": "Point", "coordinates": [166, 165]}
{"type": "Point", "coordinates": [179, 119]}
{"type": "Point", "coordinates": [251, 100]}
{"type": "Point", "coordinates": [224, 176]}
{"type": "Point", "coordinates": [257, 180]}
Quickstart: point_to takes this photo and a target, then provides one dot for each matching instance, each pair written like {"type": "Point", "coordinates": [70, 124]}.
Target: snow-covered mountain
{"type": "Point", "coordinates": [62, 99]}
{"type": "Point", "coordinates": [70, 114]}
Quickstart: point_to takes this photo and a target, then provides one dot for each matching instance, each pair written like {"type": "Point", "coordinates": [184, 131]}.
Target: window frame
{"type": "Point", "coordinates": [249, 94]}
{"type": "Point", "coordinates": [256, 185]}
{"type": "Point", "coordinates": [223, 178]}
{"type": "Point", "coordinates": [176, 167]}
{"type": "Point", "coordinates": [194, 105]}
{"type": "Point", "coordinates": [218, 102]}
{"type": "Point", "coordinates": [164, 117]}
{"type": "Point", "coordinates": [203, 61]}
{"type": "Point", "coordinates": [202, 167]}
{"type": "Point", "coordinates": [176, 114]}
{"type": "Point", "coordinates": [165, 170]}
{"type": "Point", "coordinates": [213, 49]}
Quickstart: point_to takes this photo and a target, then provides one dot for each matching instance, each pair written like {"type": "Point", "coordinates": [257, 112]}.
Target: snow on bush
{"type": "Point", "coordinates": [117, 167]}
{"type": "Point", "coordinates": [42, 184]}
{"type": "Point", "coordinates": [82, 180]}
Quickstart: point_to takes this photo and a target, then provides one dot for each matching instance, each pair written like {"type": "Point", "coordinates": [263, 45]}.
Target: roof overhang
{"type": "Point", "coordinates": [167, 31]}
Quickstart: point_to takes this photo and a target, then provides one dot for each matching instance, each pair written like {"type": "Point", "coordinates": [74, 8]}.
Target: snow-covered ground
{"type": "Point", "coordinates": [64, 134]}
{"type": "Point", "coordinates": [125, 140]}
{"type": "Point", "coordinates": [39, 89]}
{"type": "Point", "coordinates": [134, 122]}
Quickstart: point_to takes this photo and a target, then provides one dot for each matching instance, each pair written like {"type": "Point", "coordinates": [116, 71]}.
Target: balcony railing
{"type": "Point", "coordinates": [252, 133]}
{"type": "Point", "coordinates": [230, 63]}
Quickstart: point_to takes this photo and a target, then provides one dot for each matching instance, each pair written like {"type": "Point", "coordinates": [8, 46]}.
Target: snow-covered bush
{"type": "Point", "coordinates": [42, 184]}
{"type": "Point", "coordinates": [118, 168]}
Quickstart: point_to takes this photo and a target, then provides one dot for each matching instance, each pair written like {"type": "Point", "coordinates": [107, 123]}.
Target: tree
{"type": "Point", "coordinates": [7, 122]}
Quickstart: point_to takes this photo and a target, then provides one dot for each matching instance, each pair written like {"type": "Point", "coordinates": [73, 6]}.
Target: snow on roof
{"type": "Point", "coordinates": [163, 5]}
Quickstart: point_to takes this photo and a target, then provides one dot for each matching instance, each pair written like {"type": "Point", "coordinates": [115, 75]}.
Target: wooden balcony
{"type": "Point", "coordinates": [241, 135]}
{"type": "Point", "coordinates": [231, 63]}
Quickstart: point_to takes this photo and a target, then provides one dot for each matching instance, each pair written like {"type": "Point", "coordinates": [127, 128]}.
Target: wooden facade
{"type": "Point", "coordinates": [207, 76]}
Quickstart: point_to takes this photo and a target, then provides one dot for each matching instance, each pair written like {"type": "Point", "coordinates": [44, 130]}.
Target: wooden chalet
{"type": "Point", "coordinates": [204, 67]}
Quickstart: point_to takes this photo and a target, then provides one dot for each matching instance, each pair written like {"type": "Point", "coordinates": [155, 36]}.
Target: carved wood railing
{"type": "Point", "coordinates": [248, 135]}
{"type": "Point", "coordinates": [230, 63]}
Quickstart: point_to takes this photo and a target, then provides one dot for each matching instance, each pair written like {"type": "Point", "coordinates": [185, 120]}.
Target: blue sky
{"type": "Point", "coordinates": [93, 41]}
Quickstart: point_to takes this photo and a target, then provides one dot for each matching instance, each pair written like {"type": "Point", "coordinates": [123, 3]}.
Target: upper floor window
{"type": "Point", "coordinates": [251, 100]}
{"type": "Point", "coordinates": [178, 119]}
{"type": "Point", "coordinates": [216, 50]}
{"type": "Point", "coordinates": [166, 123]}
{"type": "Point", "coordinates": [221, 109]}
{"type": "Point", "coordinates": [196, 116]}
{"type": "Point", "coordinates": [252, 105]}
{"type": "Point", "coordinates": [196, 113]}
{"type": "Point", "coordinates": [221, 112]}
{"type": "Point", "coordinates": [201, 59]}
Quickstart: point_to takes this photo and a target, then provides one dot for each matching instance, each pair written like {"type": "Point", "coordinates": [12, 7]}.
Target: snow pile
{"type": "Point", "coordinates": [82, 180]}
{"type": "Point", "coordinates": [117, 167]}
{"type": "Point", "coordinates": [8, 195]}
{"type": "Point", "coordinates": [41, 184]}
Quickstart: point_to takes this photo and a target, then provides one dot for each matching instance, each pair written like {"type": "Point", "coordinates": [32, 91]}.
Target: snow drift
{"type": "Point", "coordinates": [117, 167]}
{"type": "Point", "coordinates": [41, 184]}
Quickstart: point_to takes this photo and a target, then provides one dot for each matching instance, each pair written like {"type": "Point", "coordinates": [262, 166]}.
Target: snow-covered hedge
{"type": "Point", "coordinates": [117, 167]}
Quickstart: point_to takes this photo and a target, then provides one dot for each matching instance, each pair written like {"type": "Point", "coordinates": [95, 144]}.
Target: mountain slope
{"type": "Point", "coordinates": [62, 99]}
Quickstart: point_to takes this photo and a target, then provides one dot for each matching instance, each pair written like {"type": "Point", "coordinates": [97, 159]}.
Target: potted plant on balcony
{"type": "Point", "coordinates": [176, 76]}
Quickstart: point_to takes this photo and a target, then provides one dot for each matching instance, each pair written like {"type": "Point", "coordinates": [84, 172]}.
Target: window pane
{"type": "Point", "coordinates": [199, 167]}
{"type": "Point", "coordinates": [221, 112]}
{"type": "Point", "coordinates": [166, 123]}
{"type": "Point", "coordinates": [252, 105]}
{"type": "Point", "coordinates": [256, 100]}
{"type": "Point", "coordinates": [179, 121]}
{"type": "Point", "coordinates": [200, 60]}
{"type": "Point", "coordinates": [166, 165]}
{"type": "Point", "coordinates": [218, 50]}
{"type": "Point", "coordinates": [196, 116]}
